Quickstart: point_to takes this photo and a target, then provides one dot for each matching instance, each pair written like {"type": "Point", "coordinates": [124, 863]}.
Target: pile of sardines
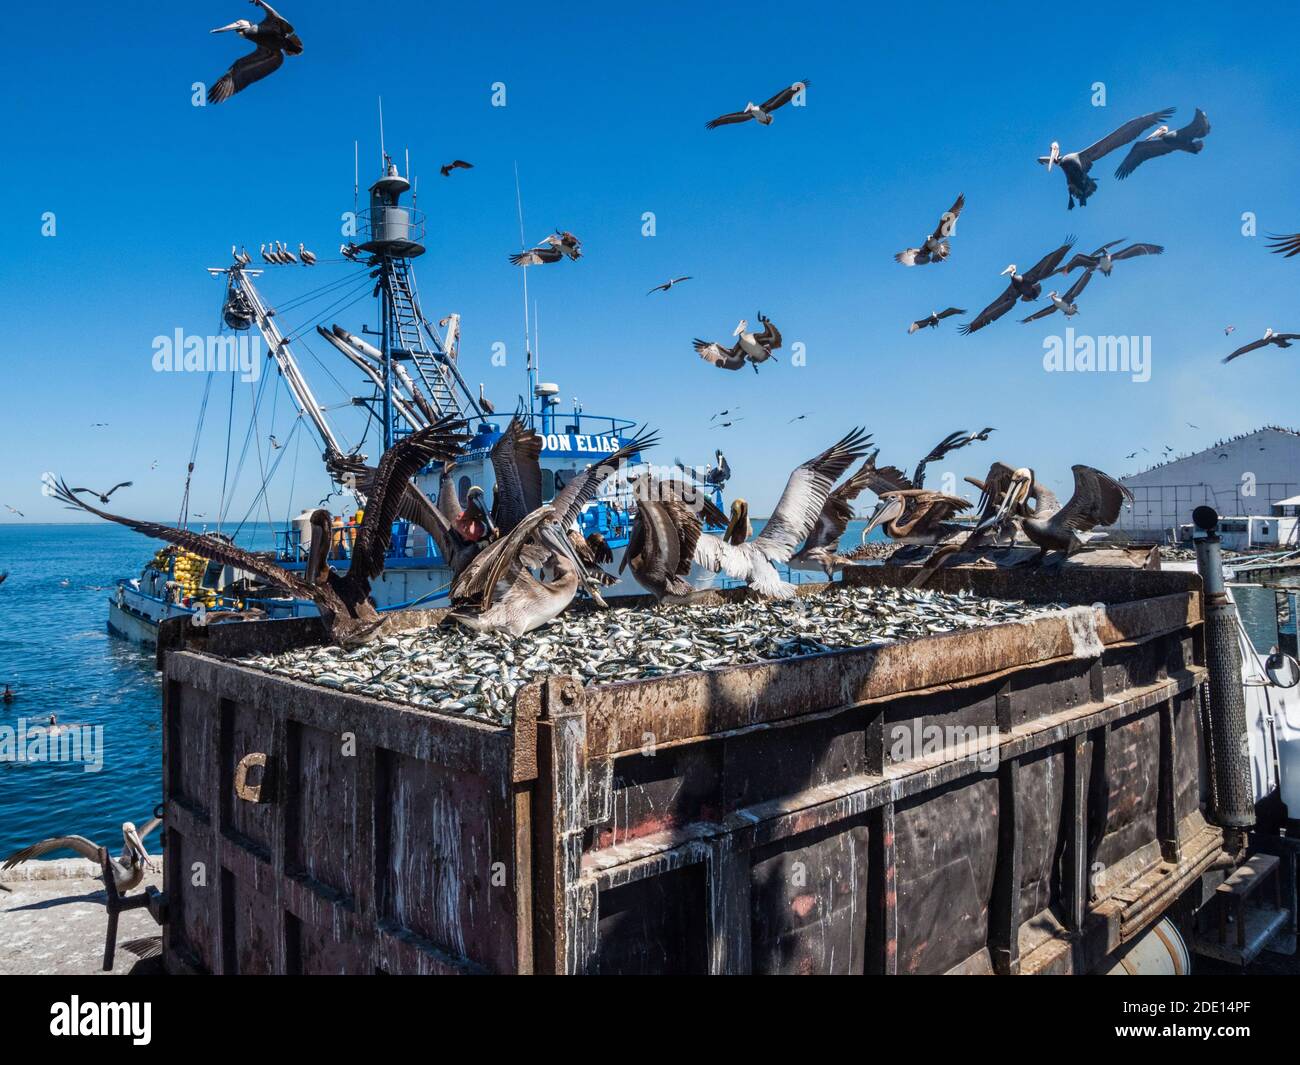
{"type": "Point", "coordinates": [451, 669]}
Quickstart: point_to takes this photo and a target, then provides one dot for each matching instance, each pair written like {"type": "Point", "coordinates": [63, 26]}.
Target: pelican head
{"type": "Point", "coordinates": [1268, 332]}
{"type": "Point", "coordinates": [474, 499]}
{"type": "Point", "coordinates": [134, 844]}
{"type": "Point", "coordinates": [738, 529]}
{"type": "Point", "coordinates": [1010, 270]}
{"type": "Point", "coordinates": [1053, 295]}
{"type": "Point", "coordinates": [744, 324]}
{"type": "Point", "coordinates": [890, 508]}
{"type": "Point", "coordinates": [1159, 131]}
{"type": "Point", "coordinates": [1053, 154]}
{"type": "Point", "coordinates": [240, 26]}
{"type": "Point", "coordinates": [557, 541]}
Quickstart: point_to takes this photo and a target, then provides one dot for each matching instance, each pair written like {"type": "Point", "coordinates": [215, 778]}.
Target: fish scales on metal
{"type": "Point", "coordinates": [453, 670]}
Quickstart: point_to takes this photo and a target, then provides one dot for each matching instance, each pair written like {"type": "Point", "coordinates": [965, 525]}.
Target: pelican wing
{"type": "Point", "coordinates": [729, 119]}
{"type": "Point", "coordinates": [80, 844]}
{"type": "Point", "coordinates": [1042, 312]}
{"type": "Point", "coordinates": [243, 72]}
{"type": "Point", "coordinates": [770, 337]}
{"type": "Point", "coordinates": [196, 543]}
{"type": "Point", "coordinates": [580, 491]}
{"type": "Point", "coordinates": [1088, 262]}
{"type": "Point", "coordinates": [1122, 136]}
{"type": "Point", "coordinates": [805, 495]}
{"type": "Point", "coordinates": [1252, 346]}
{"type": "Point", "coordinates": [784, 96]}
{"type": "Point", "coordinates": [725, 358]}
{"type": "Point", "coordinates": [148, 827]}
{"type": "Point", "coordinates": [909, 256]}
{"type": "Point", "coordinates": [1197, 128]}
{"type": "Point", "coordinates": [945, 227]}
{"type": "Point", "coordinates": [448, 499]}
{"type": "Point", "coordinates": [950, 312]}
{"type": "Point", "coordinates": [1134, 250]}
{"type": "Point", "coordinates": [951, 442]}
{"type": "Point", "coordinates": [537, 256]}
{"type": "Point", "coordinates": [992, 312]}
{"type": "Point", "coordinates": [496, 564]}
{"type": "Point", "coordinates": [1078, 286]}
{"type": "Point", "coordinates": [882, 479]}
{"type": "Point", "coordinates": [1097, 500]}
{"type": "Point", "coordinates": [1141, 152]}
{"type": "Point", "coordinates": [838, 511]}
{"type": "Point", "coordinates": [516, 462]}
{"type": "Point", "coordinates": [1046, 266]}
{"type": "Point", "coordinates": [1286, 245]}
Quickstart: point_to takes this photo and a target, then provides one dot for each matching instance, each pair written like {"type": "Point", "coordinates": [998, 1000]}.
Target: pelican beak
{"type": "Point", "coordinates": [226, 29]}
{"type": "Point", "coordinates": [1054, 153]}
{"type": "Point", "coordinates": [135, 843]}
{"type": "Point", "coordinates": [886, 510]}
{"type": "Point", "coordinates": [1009, 270]}
{"type": "Point", "coordinates": [740, 328]}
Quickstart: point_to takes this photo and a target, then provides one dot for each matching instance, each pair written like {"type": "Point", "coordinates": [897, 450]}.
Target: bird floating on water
{"type": "Point", "coordinates": [455, 164]}
{"type": "Point", "coordinates": [669, 284]}
{"type": "Point", "coordinates": [761, 113]}
{"type": "Point", "coordinates": [1104, 261]}
{"type": "Point", "coordinates": [1281, 340]}
{"type": "Point", "coordinates": [1164, 140]}
{"type": "Point", "coordinates": [749, 347]}
{"type": "Point", "coordinates": [933, 319]}
{"type": "Point", "coordinates": [935, 248]}
{"type": "Point", "coordinates": [1027, 287]}
{"type": "Point", "coordinates": [1075, 165]}
{"type": "Point", "coordinates": [128, 868]}
{"type": "Point", "coordinates": [273, 37]}
{"type": "Point", "coordinates": [559, 245]}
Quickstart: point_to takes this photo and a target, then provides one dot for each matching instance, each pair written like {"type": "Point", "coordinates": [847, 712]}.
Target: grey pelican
{"type": "Point", "coordinates": [483, 403]}
{"type": "Point", "coordinates": [1065, 304]}
{"type": "Point", "coordinates": [669, 284]}
{"type": "Point", "coordinates": [822, 548]}
{"type": "Point", "coordinates": [761, 113]}
{"type": "Point", "coordinates": [455, 164]}
{"type": "Point", "coordinates": [266, 256]}
{"type": "Point", "coordinates": [934, 318]}
{"type": "Point", "coordinates": [1287, 245]}
{"type": "Point", "coordinates": [935, 248]}
{"type": "Point", "coordinates": [1097, 500]}
{"type": "Point", "coordinates": [1027, 287]}
{"type": "Point", "coordinates": [555, 247]}
{"type": "Point", "coordinates": [796, 513]}
{"type": "Point", "coordinates": [103, 496]}
{"type": "Point", "coordinates": [286, 256]}
{"type": "Point", "coordinates": [128, 868]}
{"type": "Point", "coordinates": [662, 543]}
{"type": "Point", "coordinates": [343, 602]}
{"type": "Point", "coordinates": [243, 256]}
{"type": "Point", "coordinates": [1075, 165]}
{"type": "Point", "coordinates": [308, 258]}
{"type": "Point", "coordinates": [749, 347]}
{"type": "Point", "coordinates": [274, 39]}
{"type": "Point", "coordinates": [1163, 141]}
{"type": "Point", "coordinates": [1282, 340]}
{"type": "Point", "coordinates": [1102, 259]}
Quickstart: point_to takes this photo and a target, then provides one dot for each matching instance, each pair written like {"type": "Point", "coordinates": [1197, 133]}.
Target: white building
{"type": "Point", "coordinates": [1245, 477]}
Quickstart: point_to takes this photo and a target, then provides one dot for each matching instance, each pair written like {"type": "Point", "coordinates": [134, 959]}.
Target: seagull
{"type": "Point", "coordinates": [1282, 340]}
{"type": "Point", "coordinates": [749, 347]}
{"type": "Point", "coordinates": [275, 444]}
{"type": "Point", "coordinates": [1065, 304]}
{"type": "Point", "coordinates": [1228, 330]}
{"type": "Point", "coordinates": [723, 413]}
{"type": "Point", "coordinates": [726, 425]}
{"type": "Point", "coordinates": [308, 258]}
{"type": "Point", "coordinates": [935, 248]}
{"type": "Point", "coordinates": [1163, 140]}
{"type": "Point", "coordinates": [1103, 260]}
{"type": "Point", "coordinates": [761, 113]}
{"type": "Point", "coordinates": [558, 245]}
{"type": "Point", "coordinates": [128, 868]}
{"type": "Point", "coordinates": [14, 510]}
{"type": "Point", "coordinates": [274, 38]}
{"type": "Point", "coordinates": [1075, 165]}
{"type": "Point", "coordinates": [1287, 245]}
{"type": "Point", "coordinates": [669, 284]}
{"type": "Point", "coordinates": [455, 164]}
{"type": "Point", "coordinates": [1027, 287]}
{"type": "Point", "coordinates": [798, 418]}
{"type": "Point", "coordinates": [103, 496]}
{"type": "Point", "coordinates": [935, 317]}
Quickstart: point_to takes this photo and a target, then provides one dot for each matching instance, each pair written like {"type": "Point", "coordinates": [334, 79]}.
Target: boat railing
{"type": "Point", "coordinates": [409, 541]}
{"type": "Point", "coordinates": [391, 223]}
{"type": "Point", "coordinates": [578, 421]}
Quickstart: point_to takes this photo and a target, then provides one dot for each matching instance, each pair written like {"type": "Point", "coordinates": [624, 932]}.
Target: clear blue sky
{"type": "Point", "coordinates": [909, 105]}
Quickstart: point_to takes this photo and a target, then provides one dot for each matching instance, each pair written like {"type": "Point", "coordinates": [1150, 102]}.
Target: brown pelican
{"type": "Point", "coordinates": [822, 548]}
{"type": "Point", "coordinates": [274, 38]}
{"type": "Point", "coordinates": [128, 868]}
{"type": "Point", "coordinates": [266, 256]}
{"type": "Point", "coordinates": [1065, 304]}
{"type": "Point", "coordinates": [791, 522]}
{"type": "Point", "coordinates": [669, 284]}
{"type": "Point", "coordinates": [484, 404]}
{"type": "Point", "coordinates": [935, 247]}
{"type": "Point", "coordinates": [555, 247]}
{"type": "Point", "coordinates": [1103, 260]}
{"type": "Point", "coordinates": [516, 462]}
{"type": "Point", "coordinates": [103, 496]}
{"type": "Point", "coordinates": [345, 609]}
{"type": "Point", "coordinates": [308, 258]}
{"type": "Point", "coordinates": [1163, 141]}
{"type": "Point", "coordinates": [455, 164]}
{"type": "Point", "coordinates": [1075, 165]}
{"type": "Point", "coordinates": [935, 317]}
{"type": "Point", "coordinates": [663, 539]}
{"type": "Point", "coordinates": [761, 113]}
{"type": "Point", "coordinates": [906, 507]}
{"type": "Point", "coordinates": [350, 251]}
{"type": "Point", "coordinates": [1282, 340]}
{"type": "Point", "coordinates": [738, 528]}
{"type": "Point", "coordinates": [749, 347]}
{"type": "Point", "coordinates": [286, 256]}
{"type": "Point", "coordinates": [1285, 245]}
{"type": "Point", "coordinates": [1097, 500]}
{"type": "Point", "coordinates": [1027, 287]}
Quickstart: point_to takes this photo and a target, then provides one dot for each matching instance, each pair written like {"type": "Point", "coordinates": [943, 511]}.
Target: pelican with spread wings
{"type": "Point", "coordinates": [1065, 304]}
{"type": "Point", "coordinates": [907, 509]}
{"type": "Point", "coordinates": [1097, 500]}
{"type": "Point", "coordinates": [273, 39]}
{"type": "Point", "coordinates": [1104, 260]}
{"type": "Point", "coordinates": [1281, 340]}
{"type": "Point", "coordinates": [935, 248]}
{"type": "Point", "coordinates": [1027, 287]}
{"type": "Point", "coordinates": [128, 868]}
{"type": "Point", "coordinates": [749, 347]}
{"type": "Point", "coordinates": [1075, 165]}
{"type": "Point", "coordinates": [1164, 140]}
{"type": "Point", "coordinates": [760, 113]}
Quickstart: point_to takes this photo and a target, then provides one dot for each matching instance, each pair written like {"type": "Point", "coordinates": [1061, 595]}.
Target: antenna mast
{"type": "Point", "coordinates": [528, 346]}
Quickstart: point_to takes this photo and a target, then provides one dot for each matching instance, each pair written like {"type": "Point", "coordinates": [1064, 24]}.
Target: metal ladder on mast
{"type": "Point", "coordinates": [407, 341]}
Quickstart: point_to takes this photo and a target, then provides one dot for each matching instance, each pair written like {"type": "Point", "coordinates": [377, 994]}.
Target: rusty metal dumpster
{"type": "Point", "coordinates": [1021, 798]}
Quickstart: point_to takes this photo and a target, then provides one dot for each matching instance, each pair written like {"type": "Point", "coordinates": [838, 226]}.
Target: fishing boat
{"type": "Point", "coordinates": [412, 377]}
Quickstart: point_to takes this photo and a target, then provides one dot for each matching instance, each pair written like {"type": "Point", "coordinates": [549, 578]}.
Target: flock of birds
{"type": "Point", "coordinates": [276, 253]}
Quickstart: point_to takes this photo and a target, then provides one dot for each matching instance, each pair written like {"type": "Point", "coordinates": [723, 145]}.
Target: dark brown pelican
{"type": "Point", "coordinates": [1282, 340]}
{"type": "Point", "coordinates": [103, 496]}
{"type": "Point", "coordinates": [1097, 500]}
{"type": "Point", "coordinates": [822, 548]}
{"type": "Point", "coordinates": [308, 258]}
{"type": "Point", "coordinates": [935, 317]}
{"type": "Point", "coordinates": [1163, 141]}
{"type": "Point", "coordinates": [907, 508]}
{"type": "Point", "coordinates": [791, 522]}
{"type": "Point", "coordinates": [1065, 304]}
{"type": "Point", "coordinates": [128, 868]}
{"type": "Point", "coordinates": [1285, 245]}
{"type": "Point", "coordinates": [935, 248]}
{"type": "Point", "coordinates": [761, 113]}
{"type": "Point", "coordinates": [274, 39]}
{"type": "Point", "coordinates": [1075, 165]}
{"type": "Point", "coordinates": [455, 164]}
{"type": "Point", "coordinates": [484, 404]}
{"type": "Point", "coordinates": [1103, 260]}
{"type": "Point", "coordinates": [343, 601]}
{"type": "Point", "coordinates": [516, 463]}
{"type": "Point", "coordinates": [749, 347]}
{"type": "Point", "coordinates": [1027, 287]}
{"type": "Point", "coordinates": [557, 246]}
{"type": "Point", "coordinates": [662, 544]}
{"type": "Point", "coordinates": [669, 284]}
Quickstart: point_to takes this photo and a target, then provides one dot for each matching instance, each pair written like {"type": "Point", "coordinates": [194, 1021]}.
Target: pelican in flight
{"type": "Point", "coordinates": [822, 548]}
{"type": "Point", "coordinates": [907, 508]}
{"type": "Point", "coordinates": [761, 113]}
{"type": "Point", "coordinates": [1287, 245]}
{"type": "Point", "coordinates": [128, 868]}
{"type": "Point", "coordinates": [1065, 304]}
{"type": "Point", "coordinates": [559, 245]}
{"type": "Point", "coordinates": [1164, 140]}
{"type": "Point", "coordinates": [1104, 260]}
{"type": "Point", "coordinates": [455, 164]}
{"type": "Point", "coordinates": [346, 611]}
{"type": "Point", "coordinates": [749, 347]}
{"type": "Point", "coordinates": [1097, 500]}
{"type": "Point", "coordinates": [274, 39]}
{"type": "Point", "coordinates": [935, 248]}
{"type": "Point", "coordinates": [935, 317]}
{"type": "Point", "coordinates": [1282, 340]}
{"type": "Point", "coordinates": [1027, 287]}
{"type": "Point", "coordinates": [103, 496]}
{"type": "Point", "coordinates": [754, 561]}
{"type": "Point", "coordinates": [1075, 165]}
{"type": "Point", "coordinates": [663, 539]}
{"type": "Point", "coordinates": [669, 284]}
